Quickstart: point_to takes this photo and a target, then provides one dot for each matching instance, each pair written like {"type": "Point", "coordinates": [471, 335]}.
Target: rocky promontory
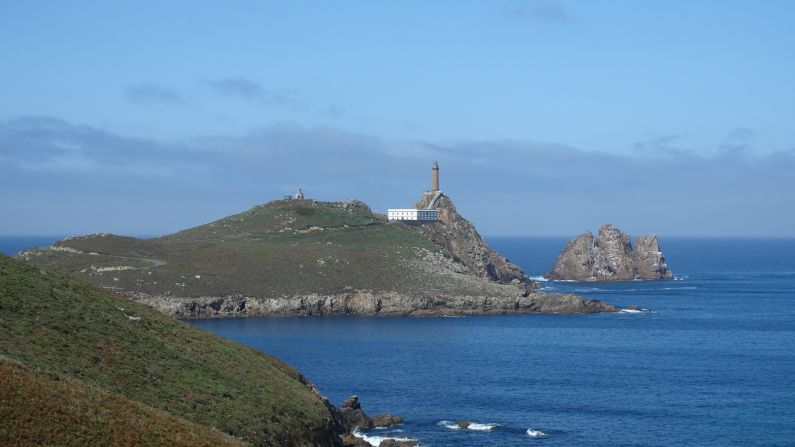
{"type": "Point", "coordinates": [460, 238]}
{"type": "Point", "coordinates": [306, 257]}
{"type": "Point", "coordinates": [610, 257]}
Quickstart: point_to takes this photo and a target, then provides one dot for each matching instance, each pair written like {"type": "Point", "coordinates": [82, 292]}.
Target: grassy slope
{"type": "Point", "coordinates": [283, 248]}
{"type": "Point", "coordinates": [46, 409]}
{"type": "Point", "coordinates": [63, 326]}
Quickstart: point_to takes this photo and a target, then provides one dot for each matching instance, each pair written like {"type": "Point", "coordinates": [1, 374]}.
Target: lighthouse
{"type": "Point", "coordinates": [427, 214]}
{"type": "Point", "coordinates": [435, 177]}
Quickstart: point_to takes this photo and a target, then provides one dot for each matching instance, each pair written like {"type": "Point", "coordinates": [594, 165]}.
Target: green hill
{"type": "Point", "coordinates": [49, 409]}
{"type": "Point", "coordinates": [112, 364]}
{"type": "Point", "coordinates": [309, 258]}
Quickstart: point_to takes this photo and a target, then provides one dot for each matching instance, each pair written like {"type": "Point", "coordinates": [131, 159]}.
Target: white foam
{"type": "Point", "coordinates": [472, 426]}
{"type": "Point", "coordinates": [535, 433]}
{"type": "Point", "coordinates": [481, 427]}
{"type": "Point", "coordinates": [539, 278]}
{"type": "Point", "coordinates": [632, 311]}
{"type": "Point", "coordinates": [450, 425]}
{"type": "Point", "coordinates": [635, 311]}
{"type": "Point", "coordinates": [375, 441]}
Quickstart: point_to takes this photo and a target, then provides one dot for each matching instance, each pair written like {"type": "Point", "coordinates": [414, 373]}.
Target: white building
{"type": "Point", "coordinates": [412, 214]}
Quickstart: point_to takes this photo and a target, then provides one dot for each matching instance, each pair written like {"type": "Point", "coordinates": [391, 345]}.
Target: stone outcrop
{"type": "Point", "coordinates": [386, 420]}
{"type": "Point", "coordinates": [515, 301]}
{"type": "Point", "coordinates": [610, 257]}
{"type": "Point", "coordinates": [352, 415]}
{"type": "Point", "coordinates": [649, 259]}
{"type": "Point", "coordinates": [460, 238]}
{"type": "Point", "coordinates": [397, 443]}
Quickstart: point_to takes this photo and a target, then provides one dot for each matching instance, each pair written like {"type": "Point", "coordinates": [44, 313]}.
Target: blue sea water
{"type": "Point", "coordinates": [712, 364]}
{"type": "Point", "coordinates": [11, 245]}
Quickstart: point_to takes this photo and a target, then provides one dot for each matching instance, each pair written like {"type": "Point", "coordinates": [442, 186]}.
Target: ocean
{"type": "Point", "coordinates": [711, 364]}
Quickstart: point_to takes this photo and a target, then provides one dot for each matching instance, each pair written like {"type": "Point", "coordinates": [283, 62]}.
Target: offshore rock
{"type": "Point", "coordinates": [459, 237]}
{"type": "Point", "coordinates": [610, 257]}
{"type": "Point", "coordinates": [350, 440]}
{"type": "Point", "coordinates": [397, 443]}
{"type": "Point", "coordinates": [386, 420]}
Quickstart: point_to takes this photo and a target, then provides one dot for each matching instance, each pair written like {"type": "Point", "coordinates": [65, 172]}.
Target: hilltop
{"type": "Point", "coordinates": [82, 366]}
{"type": "Point", "coordinates": [306, 257]}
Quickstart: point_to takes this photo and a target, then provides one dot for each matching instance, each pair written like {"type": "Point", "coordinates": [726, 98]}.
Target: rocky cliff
{"type": "Point", "coordinates": [459, 237]}
{"type": "Point", "coordinates": [610, 257]}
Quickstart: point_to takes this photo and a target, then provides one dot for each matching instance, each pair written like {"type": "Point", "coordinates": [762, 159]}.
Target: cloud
{"type": "Point", "coordinates": [252, 91]}
{"type": "Point", "coordinates": [538, 10]}
{"type": "Point", "coordinates": [34, 143]}
{"type": "Point", "coordinates": [661, 145]}
{"type": "Point", "coordinates": [149, 94]}
{"type": "Point", "coordinates": [738, 140]}
{"type": "Point", "coordinates": [505, 186]}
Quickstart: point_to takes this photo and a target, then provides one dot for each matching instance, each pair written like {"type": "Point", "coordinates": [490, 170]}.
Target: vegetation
{"type": "Point", "coordinates": [282, 248]}
{"type": "Point", "coordinates": [109, 350]}
{"type": "Point", "coordinates": [48, 409]}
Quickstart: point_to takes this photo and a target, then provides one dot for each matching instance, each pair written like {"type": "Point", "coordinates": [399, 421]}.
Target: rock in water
{"type": "Point", "coordinates": [353, 416]}
{"type": "Point", "coordinates": [397, 443]}
{"type": "Point", "coordinates": [462, 240]}
{"type": "Point", "coordinates": [386, 420]}
{"type": "Point", "coordinates": [649, 259]}
{"type": "Point", "coordinates": [610, 257]}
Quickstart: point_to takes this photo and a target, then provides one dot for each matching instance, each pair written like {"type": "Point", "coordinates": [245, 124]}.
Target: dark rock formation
{"type": "Point", "coordinates": [514, 300]}
{"type": "Point", "coordinates": [459, 236]}
{"type": "Point", "coordinates": [350, 440]}
{"type": "Point", "coordinates": [610, 257]}
{"type": "Point", "coordinates": [397, 443]}
{"type": "Point", "coordinates": [649, 259]}
{"type": "Point", "coordinates": [386, 420]}
{"type": "Point", "coordinates": [353, 416]}
{"type": "Point", "coordinates": [464, 424]}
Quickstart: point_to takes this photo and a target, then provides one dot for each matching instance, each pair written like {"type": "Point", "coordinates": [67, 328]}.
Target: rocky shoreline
{"type": "Point", "coordinates": [365, 303]}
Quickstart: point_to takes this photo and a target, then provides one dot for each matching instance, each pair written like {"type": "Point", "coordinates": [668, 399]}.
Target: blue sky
{"type": "Point", "coordinates": [547, 117]}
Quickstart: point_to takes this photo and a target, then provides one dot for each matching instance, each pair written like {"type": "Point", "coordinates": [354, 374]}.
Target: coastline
{"type": "Point", "coordinates": [367, 304]}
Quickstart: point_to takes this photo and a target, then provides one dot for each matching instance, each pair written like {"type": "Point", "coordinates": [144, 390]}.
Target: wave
{"type": "Point", "coordinates": [377, 440]}
{"type": "Point", "coordinates": [450, 425]}
{"type": "Point", "coordinates": [539, 278]}
{"type": "Point", "coordinates": [481, 427]}
{"type": "Point", "coordinates": [535, 433]}
{"type": "Point", "coordinates": [633, 311]}
{"type": "Point", "coordinates": [476, 426]}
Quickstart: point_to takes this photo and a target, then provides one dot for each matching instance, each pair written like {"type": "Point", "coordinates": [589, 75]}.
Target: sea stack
{"type": "Point", "coordinates": [610, 257]}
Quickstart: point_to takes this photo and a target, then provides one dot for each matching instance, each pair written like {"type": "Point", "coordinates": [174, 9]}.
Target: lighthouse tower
{"type": "Point", "coordinates": [435, 177]}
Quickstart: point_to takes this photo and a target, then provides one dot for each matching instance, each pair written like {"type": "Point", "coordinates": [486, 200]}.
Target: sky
{"type": "Point", "coordinates": [547, 118]}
